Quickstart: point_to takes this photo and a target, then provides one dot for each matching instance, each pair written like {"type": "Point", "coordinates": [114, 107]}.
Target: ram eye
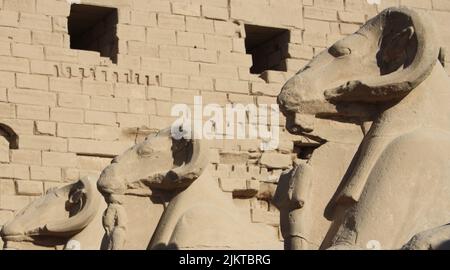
{"type": "Point", "coordinates": [339, 51]}
{"type": "Point", "coordinates": [145, 150]}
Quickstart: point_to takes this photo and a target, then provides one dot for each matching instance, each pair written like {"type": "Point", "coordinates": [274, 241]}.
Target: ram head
{"type": "Point", "coordinates": [376, 66]}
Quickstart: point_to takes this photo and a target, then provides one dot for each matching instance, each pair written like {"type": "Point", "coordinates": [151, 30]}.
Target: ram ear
{"type": "Point", "coordinates": [408, 52]}
{"type": "Point", "coordinates": [84, 200]}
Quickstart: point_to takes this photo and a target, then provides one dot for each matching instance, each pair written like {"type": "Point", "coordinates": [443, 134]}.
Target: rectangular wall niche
{"type": "Point", "coordinates": [268, 47]}
{"type": "Point", "coordinates": [94, 28]}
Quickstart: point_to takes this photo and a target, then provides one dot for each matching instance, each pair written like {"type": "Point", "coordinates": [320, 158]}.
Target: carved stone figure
{"type": "Point", "coordinates": [397, 185]}
{"type": "Point", "coordinates": [158, 192]}
{"type": "Point", "coordinates": [386, 80]}
{"type": "Point", "coordinates": [78, 211]}
{"type": "Point", "coordinates": [433, 239]}
{"type": "Point", "coordinates": [320, 176]}
{"type": "Point", "coordinates": [198, 214]}
{"type": "Point", "coordinates": [69, 216]}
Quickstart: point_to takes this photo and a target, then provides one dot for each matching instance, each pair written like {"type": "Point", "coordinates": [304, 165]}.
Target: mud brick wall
{"type": "Point", "coordinates": [74, 110]}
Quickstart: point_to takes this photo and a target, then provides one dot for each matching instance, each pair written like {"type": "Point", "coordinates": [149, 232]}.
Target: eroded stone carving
{"type": "Point", "coordinates": [161, 194]}
{"type": "Point", "coordinates": [197, 215]}
{"type": "Point", "coordinates": [397, 184]}
{"type": "Point", "coordinates": [70, 214]}
{"type": "Point", "coordinates": [158, 193]}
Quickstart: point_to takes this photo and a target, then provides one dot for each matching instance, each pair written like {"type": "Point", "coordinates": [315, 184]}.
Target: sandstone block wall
{"type": "Point", "coordinates": [74, 110]}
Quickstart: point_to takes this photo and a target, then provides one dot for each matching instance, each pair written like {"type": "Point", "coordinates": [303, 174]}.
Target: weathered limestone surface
{"type": "Point", "coordinates": [74, 111]}
{"type": "Point", "coordinates": [380, 201]}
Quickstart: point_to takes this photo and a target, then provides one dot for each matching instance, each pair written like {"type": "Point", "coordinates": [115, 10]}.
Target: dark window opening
{"type": "Point", "coordinates": [268, 47]}
{"type": "Point", "coordinates": [93, 28]}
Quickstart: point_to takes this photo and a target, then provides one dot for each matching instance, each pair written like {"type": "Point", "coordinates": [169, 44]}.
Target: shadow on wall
{"type": "Point", "coordinates": [10, 141]}
{"type": "Point", "coordinates": [10, 135]}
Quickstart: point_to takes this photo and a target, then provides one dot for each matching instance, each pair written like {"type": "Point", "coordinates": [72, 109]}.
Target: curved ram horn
{"type": "Point", "coordinates": [196, 164]}
{"type": "Point", "coordinates": [81, 219]}
{"type": "Point", "coordinates": [399, 83]}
